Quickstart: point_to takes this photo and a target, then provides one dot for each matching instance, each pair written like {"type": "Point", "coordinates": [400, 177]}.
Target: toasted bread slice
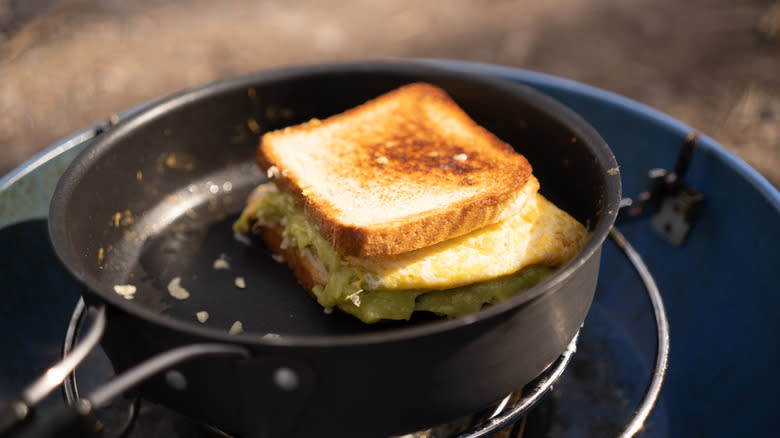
{"type": "Point", "coordinates": [400, 172]}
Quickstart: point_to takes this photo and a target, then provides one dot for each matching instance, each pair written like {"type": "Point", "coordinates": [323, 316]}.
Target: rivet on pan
{"type": "Point", "coordinates": [176, 380]}
{"type": "Point", "coordinates": [285, 379]}
{"type": "Point", "coordinates": [83, 407]}
{"type": "Point", "coordinates": [20, 410]}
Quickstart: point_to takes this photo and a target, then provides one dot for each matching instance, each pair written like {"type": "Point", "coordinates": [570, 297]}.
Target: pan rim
{"type": "Point", "coordinates": [538, 100]}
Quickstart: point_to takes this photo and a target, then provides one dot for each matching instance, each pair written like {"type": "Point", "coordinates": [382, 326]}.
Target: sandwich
{"type": "Point", "coordinates": [405, 204]}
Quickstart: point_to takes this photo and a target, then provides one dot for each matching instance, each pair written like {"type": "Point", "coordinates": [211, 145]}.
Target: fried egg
{"type": "Point", "coordinates": [540, 234]}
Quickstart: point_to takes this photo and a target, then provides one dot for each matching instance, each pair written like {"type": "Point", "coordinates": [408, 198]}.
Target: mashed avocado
{"type": "Point", "coordinates": [345, 281]}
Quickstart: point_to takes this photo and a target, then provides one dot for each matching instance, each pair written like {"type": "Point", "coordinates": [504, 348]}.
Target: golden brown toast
{"type": "Point", "coordinates": [403, 171]}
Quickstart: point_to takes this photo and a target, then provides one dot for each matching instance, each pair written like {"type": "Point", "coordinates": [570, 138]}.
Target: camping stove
{"type": "Point", "coordinates": [609, 387]}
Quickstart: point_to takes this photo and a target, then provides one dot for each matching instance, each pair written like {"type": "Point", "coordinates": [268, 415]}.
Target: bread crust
{"type": "Point", "coordinates": [308, 269]}
{"type": "Point", "coordinates": [403, 171]}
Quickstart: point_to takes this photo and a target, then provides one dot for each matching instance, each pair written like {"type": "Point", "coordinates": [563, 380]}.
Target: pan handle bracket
{"type": "Point", "coordinates": [674, 205]}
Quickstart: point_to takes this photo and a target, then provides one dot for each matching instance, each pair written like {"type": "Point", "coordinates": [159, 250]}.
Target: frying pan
{"type": "Point", "coordinates": [152, 200]}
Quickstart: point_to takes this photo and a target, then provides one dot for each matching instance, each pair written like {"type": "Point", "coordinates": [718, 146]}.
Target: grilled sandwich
{"type": "Point", "coordinates": [405, 204]}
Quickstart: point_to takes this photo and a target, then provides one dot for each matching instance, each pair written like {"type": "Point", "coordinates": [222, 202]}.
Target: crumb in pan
{"type": "Point", "coordinates": [127, 291]}
{"type": "Point", "coordinates": [221, 262]}
{"type": "Point", "coordinates": [236, 328]}
{"type": "Point", "coordinates": [176, 291]}
{"type": "Point", "coordinates": [202, 316]}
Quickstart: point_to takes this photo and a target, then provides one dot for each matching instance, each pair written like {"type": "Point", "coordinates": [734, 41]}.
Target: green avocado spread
{"type": "Point", "coordinates": [344, 289]}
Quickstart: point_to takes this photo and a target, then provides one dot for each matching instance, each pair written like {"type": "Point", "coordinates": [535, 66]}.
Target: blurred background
{"type": "Point", "coordinates": [714, 64]}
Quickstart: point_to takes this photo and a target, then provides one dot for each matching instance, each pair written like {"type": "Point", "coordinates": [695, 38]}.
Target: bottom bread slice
{"type": "Point", "coordinates": [308, 268]}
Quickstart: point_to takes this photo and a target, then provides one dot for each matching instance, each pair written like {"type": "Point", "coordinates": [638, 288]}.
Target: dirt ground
{"type": "Point", "coordinates": [714, 64]}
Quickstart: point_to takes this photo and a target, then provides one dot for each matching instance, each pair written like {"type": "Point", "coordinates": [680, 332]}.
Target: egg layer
{"type": "Point", "coordinates": [541, 234]}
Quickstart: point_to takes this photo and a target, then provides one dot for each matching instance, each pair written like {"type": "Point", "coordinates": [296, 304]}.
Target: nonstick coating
{"type": "Point", "coordinates": [154, 198]}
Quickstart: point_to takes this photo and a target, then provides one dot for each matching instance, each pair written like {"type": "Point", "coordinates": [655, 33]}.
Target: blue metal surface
{"type": "Point", "coordinates": [38, 296]}
{"type": "Point", "coordinates": [26, 191]}
{"type": "Point", "coordinates": [720, 288]}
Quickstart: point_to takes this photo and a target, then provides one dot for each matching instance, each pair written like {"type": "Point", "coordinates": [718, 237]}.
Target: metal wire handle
{"type": "Point", "coordinates": [20, 411]}
{"type": "Point", "coordinates": [501, 419]}
{"type": "Point", "coordinates": [662, 333]}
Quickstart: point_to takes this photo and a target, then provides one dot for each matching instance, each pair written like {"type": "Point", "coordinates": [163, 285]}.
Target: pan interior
{"type": "Point", "coordinates": [151, 204]}
{"type": "Point", "coordinates": [188, 248]}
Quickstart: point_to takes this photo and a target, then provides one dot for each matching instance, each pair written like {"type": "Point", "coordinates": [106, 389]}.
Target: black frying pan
{"type": "Point", "coordinates": [154, 198]}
